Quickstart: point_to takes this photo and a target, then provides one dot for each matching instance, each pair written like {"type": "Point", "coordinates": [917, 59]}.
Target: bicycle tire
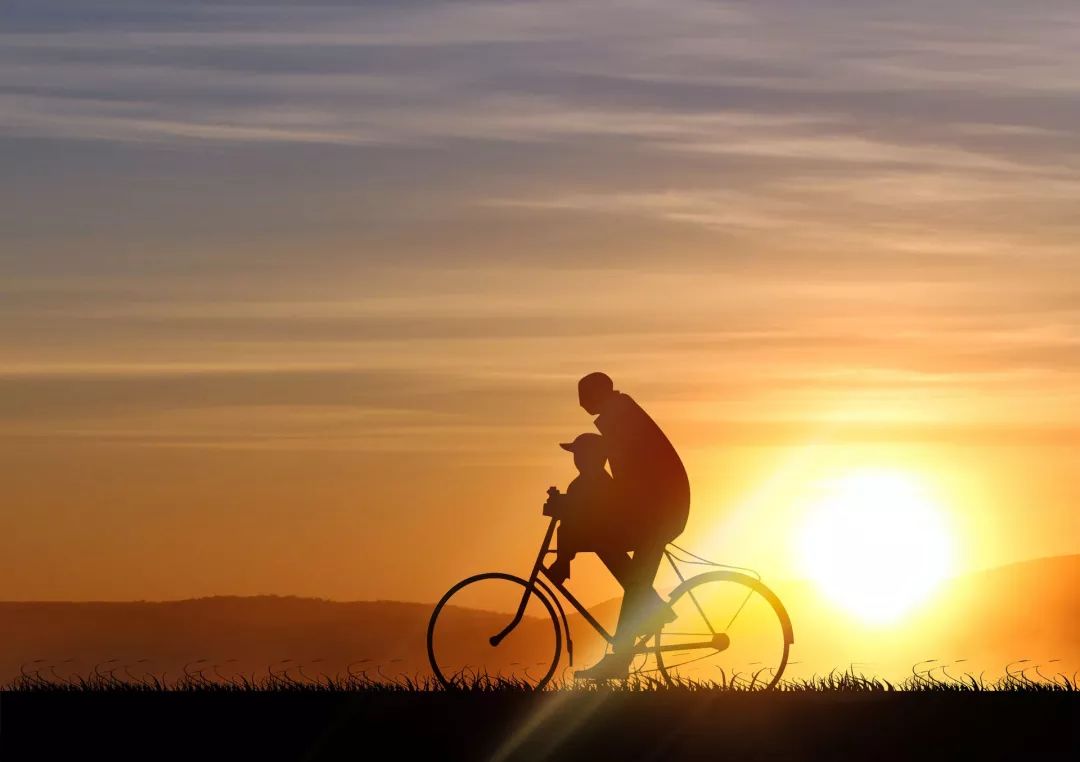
{"type": "Point", "coordinates": [755, 586]}
{"type": "Point", "coordinates": [448, 681]}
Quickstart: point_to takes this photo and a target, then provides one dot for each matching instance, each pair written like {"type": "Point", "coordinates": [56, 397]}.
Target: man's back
{"type": "Point", "coordinates": [647, 469]}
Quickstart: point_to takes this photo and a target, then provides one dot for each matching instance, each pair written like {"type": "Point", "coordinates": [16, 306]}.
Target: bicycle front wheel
{"type": "Point", "coordinates": [476, 637]}
{"type": "Point", "coordinates": [729, 629]}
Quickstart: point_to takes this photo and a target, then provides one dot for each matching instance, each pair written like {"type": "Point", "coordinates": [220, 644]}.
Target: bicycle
{"type": "Point", "coordinates": [700, 632]}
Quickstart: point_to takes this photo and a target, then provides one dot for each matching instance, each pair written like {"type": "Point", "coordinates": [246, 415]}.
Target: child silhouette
{"type": "Point", "coordinates": [585, 509]}
{"type": "Point", "coordinates": [592, 518]}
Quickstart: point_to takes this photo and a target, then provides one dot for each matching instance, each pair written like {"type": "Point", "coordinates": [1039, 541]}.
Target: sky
{"type": "Point", "coordinates": [294, 297]}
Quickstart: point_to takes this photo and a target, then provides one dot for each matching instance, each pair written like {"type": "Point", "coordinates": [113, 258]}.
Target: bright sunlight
{"type": "Point", "coordinates": [876, 544]}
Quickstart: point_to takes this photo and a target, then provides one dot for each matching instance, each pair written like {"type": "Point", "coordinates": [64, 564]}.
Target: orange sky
{"type": "Point", "coordinates": [298, 305]}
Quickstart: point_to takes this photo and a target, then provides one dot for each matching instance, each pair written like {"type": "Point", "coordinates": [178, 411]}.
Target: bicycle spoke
{"type": "Point", "coordinates": [688, 661]}
{"type": "Point", "coordinates": [701, 611]}
{"type": "Point", "coordinates": [739, 611]}
{"type": "Point", "coordinates": [513, 634]}
{"type": "Point", "coordinates": [687, 651]}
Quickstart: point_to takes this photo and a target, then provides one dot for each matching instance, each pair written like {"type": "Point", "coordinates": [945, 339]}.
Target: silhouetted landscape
{"type": "Point", "coordinates": [1023, 611]}
{"type": "Point", "coordinates": [305, 306]}
{"type": "Point", "coordinates": [842, 716]}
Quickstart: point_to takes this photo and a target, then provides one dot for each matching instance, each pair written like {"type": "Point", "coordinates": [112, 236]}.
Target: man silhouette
{"type": "Point", "coordinates": [652, 492]}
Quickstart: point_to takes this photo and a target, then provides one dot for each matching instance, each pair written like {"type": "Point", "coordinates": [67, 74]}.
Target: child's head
{"type": "Point", "coordinates": [590, 452]}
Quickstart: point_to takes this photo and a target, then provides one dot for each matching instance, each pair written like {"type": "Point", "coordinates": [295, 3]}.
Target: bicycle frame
{"type": "Point", "coordinates": [718, 641]}
{"type": "Point", "coordinates": [546, 589]}
{"type": "Point", "coordinates": [546, 584]}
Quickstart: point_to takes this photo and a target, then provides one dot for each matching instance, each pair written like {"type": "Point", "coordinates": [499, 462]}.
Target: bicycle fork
{"type": "Point", "coordinates": [496, 639]}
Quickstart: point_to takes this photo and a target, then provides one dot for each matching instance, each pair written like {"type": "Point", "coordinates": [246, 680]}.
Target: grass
{"type": "Point", "coordinates": [41, 677]}
{"type": "Point", "coordinates": [292, 712]}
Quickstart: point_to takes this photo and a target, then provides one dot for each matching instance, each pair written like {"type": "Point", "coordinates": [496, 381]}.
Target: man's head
{"type": "Point", "coordinates": [590, 452]}
{"type": "Point", "coordinates": [593, 390]}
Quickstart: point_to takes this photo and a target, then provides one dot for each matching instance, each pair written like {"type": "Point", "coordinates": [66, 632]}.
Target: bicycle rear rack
{"type": "Point", "coordinates": [693, 559]}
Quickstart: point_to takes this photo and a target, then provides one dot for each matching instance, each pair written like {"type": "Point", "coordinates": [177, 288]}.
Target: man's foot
{"type": "Point", "coordinates": [656, 614]}
{"type": "Point", "coordinates": [614, 666]}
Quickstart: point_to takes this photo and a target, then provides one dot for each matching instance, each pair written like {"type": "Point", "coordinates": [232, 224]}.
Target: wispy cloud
{"type": "Point", "coordinates": [488, 70]}
{"type": "Point", "coordinates": [322, 276]}
{"type": "Point", "coordinates": [488, 189]}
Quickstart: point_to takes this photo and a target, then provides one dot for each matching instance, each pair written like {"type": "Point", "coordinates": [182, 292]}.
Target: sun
{"type": "Point", "coordinates": [876, 543]}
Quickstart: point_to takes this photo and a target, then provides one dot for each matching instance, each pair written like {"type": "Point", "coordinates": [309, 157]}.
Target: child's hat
{"type": "Point", "coordinates": [585, 443]}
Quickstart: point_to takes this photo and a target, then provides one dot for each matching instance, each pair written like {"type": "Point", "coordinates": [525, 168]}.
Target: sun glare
{"type": "Point", "coordinates": [876, 544]}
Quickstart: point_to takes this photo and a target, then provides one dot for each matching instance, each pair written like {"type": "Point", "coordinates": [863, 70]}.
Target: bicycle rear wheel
{"type": "Point", "coordinates": [729, 629]}
{"type": "Point", "coordinates": [473, 639]}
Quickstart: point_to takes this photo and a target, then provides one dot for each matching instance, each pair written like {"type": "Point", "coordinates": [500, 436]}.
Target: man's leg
{"type": "Point", "coordinates": [618, 563]}
{"type": "Point", "coordinates": [640, 601]}
{"type": "Point", "coordinates": [640, 610]}
{"type": "Point", "coordinates": [646, 562]}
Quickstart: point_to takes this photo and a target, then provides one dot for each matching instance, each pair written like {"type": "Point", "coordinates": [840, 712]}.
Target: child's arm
{"type": "Point", "coordinates": [553, 505]}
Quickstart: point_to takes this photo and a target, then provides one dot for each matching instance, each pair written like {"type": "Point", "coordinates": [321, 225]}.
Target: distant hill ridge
{"type": "Point", "coordinates": [1026, 609]}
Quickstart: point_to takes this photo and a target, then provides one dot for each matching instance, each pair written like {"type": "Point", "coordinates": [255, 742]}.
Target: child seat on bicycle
{"type": "Point", "coordinates": [586, 511]}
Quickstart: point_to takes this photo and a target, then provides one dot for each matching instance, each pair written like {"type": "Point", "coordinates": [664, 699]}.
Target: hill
{"type": "Point", "coordinates": [1028, 610]}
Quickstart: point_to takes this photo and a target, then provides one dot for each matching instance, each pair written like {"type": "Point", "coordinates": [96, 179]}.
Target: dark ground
{"type": "Point", "coordinates": [601, 725]}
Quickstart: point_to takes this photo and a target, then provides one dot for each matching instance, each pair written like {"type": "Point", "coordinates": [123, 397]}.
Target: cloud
{"type": "Point", "coordinates": [510, 71]}
{"type": "Point", "coordinates": [747, 193]}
